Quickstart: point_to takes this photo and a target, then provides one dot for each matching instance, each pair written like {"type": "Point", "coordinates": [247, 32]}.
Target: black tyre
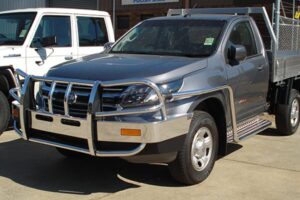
{"type": "Point", "coordinates": [196, 159]}
{"type": "Point", "coordinates": [287, 116]}
{"type": "Point", "coordinates": [71, 154]}
{"type": "Point", "coordinates": [4, 112]}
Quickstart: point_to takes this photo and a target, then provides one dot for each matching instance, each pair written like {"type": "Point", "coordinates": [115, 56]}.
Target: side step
{"type": "Point", "coordinates": [249, 128]}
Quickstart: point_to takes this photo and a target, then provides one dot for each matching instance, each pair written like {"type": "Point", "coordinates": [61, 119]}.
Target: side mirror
{"type": "Point", "coordinates": [237, 53]}
{"type": "Point", "coordinates": [108, 46]}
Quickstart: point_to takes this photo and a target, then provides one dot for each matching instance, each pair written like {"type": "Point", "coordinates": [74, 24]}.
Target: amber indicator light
{"type": "Point", "coordinates": [131, 132]}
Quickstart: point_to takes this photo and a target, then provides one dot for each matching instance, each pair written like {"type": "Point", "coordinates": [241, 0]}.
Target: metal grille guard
{"type": "Point", "coordinates": [23, 94]}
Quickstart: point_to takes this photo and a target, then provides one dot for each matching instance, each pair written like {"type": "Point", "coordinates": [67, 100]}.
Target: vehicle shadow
{"type": "Point", "coordinates": [271, 132]}
{"type": "Point", "coordinates": [232, 147]}
{"type": "Point", "coordinates": [42, 167]}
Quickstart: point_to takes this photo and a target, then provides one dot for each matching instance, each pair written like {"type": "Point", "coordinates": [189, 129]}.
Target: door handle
{"type": "Point", "coordinates": [260, 68]}
{"type": "Point", "coordinates": [39, 62]}
{"type": "Point", "coordinates": [68, 57]}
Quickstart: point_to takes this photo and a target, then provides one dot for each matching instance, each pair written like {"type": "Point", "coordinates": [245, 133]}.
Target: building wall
{"type": "Point", "coordinates": [135, 12]}
{"type": "Point", "coordinates": [149, 7]}
{"type": "Point", "coordinates": [132, 14]}
{"type": "Point", "coordinates": [222, 3]}
{"type": "Point", "coordinates": [19, 4]}
{"type": "Point", "coordinates": [82, 4]}
{"type": "Point", "coordinates": [210, 3]}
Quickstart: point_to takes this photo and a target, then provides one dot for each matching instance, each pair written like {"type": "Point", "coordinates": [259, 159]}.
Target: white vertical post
{"type": "Point", "coordinates": [294, 8]}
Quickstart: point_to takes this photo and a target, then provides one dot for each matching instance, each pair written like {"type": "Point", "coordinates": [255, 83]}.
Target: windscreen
{"type": "Point", "coordinates": [14, 27]}
{"type": "Point", "coordinates": [191, 38]}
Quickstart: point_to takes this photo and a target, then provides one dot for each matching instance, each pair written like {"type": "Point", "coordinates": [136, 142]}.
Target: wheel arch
{"type": "Point", "coordinates": [279, 93]}
{"type": "Point", "coordinates": [215, 104]}
{"type": "Point", "coordinates": [296, 85]}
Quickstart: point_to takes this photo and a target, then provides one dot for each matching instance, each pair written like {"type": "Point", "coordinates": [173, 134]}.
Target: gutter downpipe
{"type": "Point", "coordinates": [187, 4]}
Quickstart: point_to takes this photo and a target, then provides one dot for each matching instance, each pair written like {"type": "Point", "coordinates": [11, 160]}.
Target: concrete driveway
{"type": "Point", "coordinates": [264, 167]}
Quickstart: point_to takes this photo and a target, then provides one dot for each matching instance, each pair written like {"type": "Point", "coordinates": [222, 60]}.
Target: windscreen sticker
{"type": "Point", "coordinates": [23, 33]}
{"type": "Point", "coordinates": [209, 41]}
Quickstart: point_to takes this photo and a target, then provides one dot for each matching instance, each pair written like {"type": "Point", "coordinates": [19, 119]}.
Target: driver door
{"type": "Point", "coordinates": [40, 56]}
{"type": "Point", "coordinates": [248, 78]}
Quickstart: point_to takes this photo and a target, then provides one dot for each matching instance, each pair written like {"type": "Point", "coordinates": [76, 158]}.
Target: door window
{"type": "Point", "coordinates": [57, 28]}
{"type": "Point", "coordinates": [92, 31]}
{"type": "Point", "coordinates": [242, 35]}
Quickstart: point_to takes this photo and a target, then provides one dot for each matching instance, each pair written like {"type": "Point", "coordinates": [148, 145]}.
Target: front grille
{"type": "Point", "coordinates": [110, 99]}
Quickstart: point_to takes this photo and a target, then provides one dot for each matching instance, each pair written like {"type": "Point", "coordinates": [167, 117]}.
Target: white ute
{"type": "Point", "coordinates": [34, 40]}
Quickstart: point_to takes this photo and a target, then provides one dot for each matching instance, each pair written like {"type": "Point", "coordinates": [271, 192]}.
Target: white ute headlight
{"type": "Point", "coordinates": [142, 95]}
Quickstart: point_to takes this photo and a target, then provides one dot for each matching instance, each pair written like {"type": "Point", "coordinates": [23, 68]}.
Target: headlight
{"type": "Point", "coordinates": [171, 87]}
{"type": "Point", "coordinates": [142, 95]}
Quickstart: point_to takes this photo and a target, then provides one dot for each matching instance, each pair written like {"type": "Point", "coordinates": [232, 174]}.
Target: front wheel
{"type": "Point", "coordinates": [4, 112]}
{"type": "Point", "coordinates": [196, 159]}
{"type": "Point", "coordinates": [287, 116]}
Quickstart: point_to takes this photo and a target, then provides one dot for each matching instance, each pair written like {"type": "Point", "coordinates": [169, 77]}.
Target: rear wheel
{"type": "Point", "coordinates": [4, 112]}
{"type": "Point", "coordinates": [287, 116]}
{"type": "Point", "coordinates": [196, 159]}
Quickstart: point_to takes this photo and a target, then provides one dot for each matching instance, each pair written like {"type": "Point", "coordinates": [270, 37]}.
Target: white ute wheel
{"type": "Point", "coordinates": [4, 112]}
{"type": "Point", "coordinates": [196, 159]}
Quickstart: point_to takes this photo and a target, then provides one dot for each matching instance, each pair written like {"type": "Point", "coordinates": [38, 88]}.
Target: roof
{"type": "Point", "coordinates": [58, 10]}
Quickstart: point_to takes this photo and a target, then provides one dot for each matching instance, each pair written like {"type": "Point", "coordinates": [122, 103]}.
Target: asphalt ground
{"type": "Point", "coordinates": [266, 167]}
